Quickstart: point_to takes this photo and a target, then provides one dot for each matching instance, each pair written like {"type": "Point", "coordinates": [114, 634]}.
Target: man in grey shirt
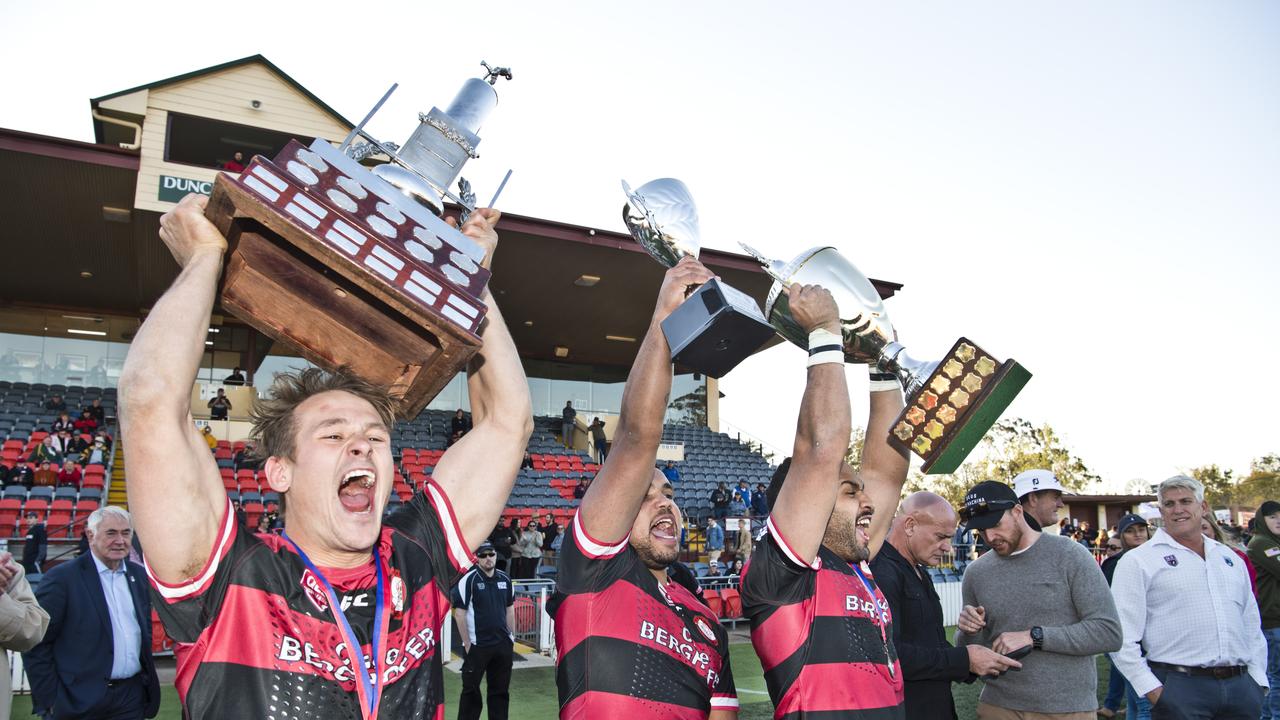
{"type": "Point", "coordinates": [1037, 590]}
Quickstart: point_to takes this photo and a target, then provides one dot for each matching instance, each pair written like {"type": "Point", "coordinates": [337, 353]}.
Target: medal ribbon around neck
{"type": "Point", "coordinates": [369, 690]}
{"type": "Point", "coordinates": [884, 636]}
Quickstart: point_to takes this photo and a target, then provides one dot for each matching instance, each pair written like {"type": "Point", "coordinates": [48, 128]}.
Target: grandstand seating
{"type": "Point", "coordinates": [24, 423]}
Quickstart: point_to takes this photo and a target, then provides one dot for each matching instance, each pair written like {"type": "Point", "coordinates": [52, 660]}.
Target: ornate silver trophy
{"type": "Point", "coordinates": [717, 326]}
{"type": "Point", "coordinates": [951, 403]}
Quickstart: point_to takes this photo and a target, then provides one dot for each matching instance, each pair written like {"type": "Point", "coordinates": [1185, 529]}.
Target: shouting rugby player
{"type": "Point", "coordinates": [341, 614]}
{"type": "Point", "coordinates": [818, 622]}
{"type": "Point", "coordinates": [631, 644]}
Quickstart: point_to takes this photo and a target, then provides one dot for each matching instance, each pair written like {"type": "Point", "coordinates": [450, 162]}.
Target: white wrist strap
{"type": "Point", "coordinates": [825, 347]}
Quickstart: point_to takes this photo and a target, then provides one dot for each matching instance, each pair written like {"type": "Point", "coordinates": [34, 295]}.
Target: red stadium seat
{"type": "Point", "coordinates": [526, 611]}
{"type": "Point", "coordinates": [714, 601]}
{"type": "Point", "coordinates": [95, 480]}
{"type": "Point", "coordinates": [732, 604]}
{"type": "Point", "coordinates": [39, 506]}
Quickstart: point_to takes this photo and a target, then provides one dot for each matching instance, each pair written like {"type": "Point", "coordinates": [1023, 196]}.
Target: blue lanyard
{"type": "Point", "coordinates": [372, 688]}
{"type": "Point", "coordinates": [884, 633]}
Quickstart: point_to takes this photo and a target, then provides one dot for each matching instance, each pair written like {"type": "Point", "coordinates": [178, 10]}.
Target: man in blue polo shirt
{"type": "Point", "coordinates": [484, 608]}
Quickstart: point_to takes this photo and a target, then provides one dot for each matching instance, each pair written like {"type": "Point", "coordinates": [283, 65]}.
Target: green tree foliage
{"type": "Point", "coordinates": [1220, 487]}
{"type": "Point", "coordinates": [1263, 481]}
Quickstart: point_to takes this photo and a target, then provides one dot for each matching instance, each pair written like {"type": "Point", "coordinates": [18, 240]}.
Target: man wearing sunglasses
{"type": "Point", "coordinates": [1040, 590]}
{"type": "Point", "coordinates": [484, 609]}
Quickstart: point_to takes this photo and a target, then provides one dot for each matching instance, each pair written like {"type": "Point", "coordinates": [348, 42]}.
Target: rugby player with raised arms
{"type": "Point", "coordinates": [340, 616]}
{"type": "Point", "coordinates": [632, 644]}
{"type": "Point", "coordinates": [818, 622]}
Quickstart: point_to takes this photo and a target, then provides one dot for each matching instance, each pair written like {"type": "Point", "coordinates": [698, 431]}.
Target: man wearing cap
{"type": "Point", "coordinates": [1034, 589]}
{"type": "Point", "coordinates": [1041, 496]}
{"type": "Point", "coordinates": [920, 536]}
{"type": "Point", "coordinates": [1131, 532]}
{"type": "Point", "coordinates": [1193, 643]}
{"type": "Point", "coordinates": [484, 609]}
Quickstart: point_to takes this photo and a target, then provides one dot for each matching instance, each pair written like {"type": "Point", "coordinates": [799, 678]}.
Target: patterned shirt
{"type": "Point", "coordinates": [823, 632]}
{"type": "Point", "coordinates": [630, 647]}
{"type": "Point", "coordinates": [1179, 608]}
{"type": "Point", "coordinates": [257, 637]}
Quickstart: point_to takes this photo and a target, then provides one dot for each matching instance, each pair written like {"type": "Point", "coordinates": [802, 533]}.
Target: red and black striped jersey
{"type": "Point", "coordinates": [630, 647]}
{"type": "Point", "coordinates": [256, 637]}
{"type": "Point", "coordinates": [823, 633]}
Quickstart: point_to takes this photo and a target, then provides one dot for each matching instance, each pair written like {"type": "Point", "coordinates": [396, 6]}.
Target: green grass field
{"type": "Point", "coordinates": [533, 692]}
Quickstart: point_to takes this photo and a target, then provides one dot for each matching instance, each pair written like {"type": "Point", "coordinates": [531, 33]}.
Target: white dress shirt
{"type": "Point", "coordinates": [1185, 610]}
{"type": "Point", "coordinates": [126, 635]}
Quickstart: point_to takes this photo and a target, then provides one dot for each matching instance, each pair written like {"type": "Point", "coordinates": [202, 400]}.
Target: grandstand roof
{"type": "Point", "coordinates": [70, 210]}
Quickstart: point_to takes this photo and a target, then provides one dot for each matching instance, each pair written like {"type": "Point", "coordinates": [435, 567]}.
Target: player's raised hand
{"type": "Point", "coordinates": [188, 233]}
{"type": "Point", "coordinates": [813, 307]}
{"type": "Point", "coordinates": [679, 281]}
{"type": "Point", "coordinates": [481, 226]}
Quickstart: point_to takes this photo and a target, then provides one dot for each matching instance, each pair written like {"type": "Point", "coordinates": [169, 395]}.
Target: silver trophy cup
{"type": "Point", "coordinates": [950, 403]}
{"type": "Point", "coordinates": [717, 326]}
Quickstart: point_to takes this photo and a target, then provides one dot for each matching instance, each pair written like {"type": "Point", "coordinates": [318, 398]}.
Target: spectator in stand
{"type": "Point", "coordinates": [568, 419]}
{"type": "Point", "coordinates": [235, 378]}
{"type": "Point", "coordinates": [87, 423]}
{"type": "Point", "coordinates": [919, 538]}
{"type": "Point", "coordinates": [64, 422]}
{"type": "Point", "coordinates": [95, 660]}
{"type": "Point", "coordinates": [264, 524]}
{"type": "Point", "coordinates": [242, 518]}
{"type": "Point", "coordinates": [70, 475]}
{"type": "Point", "coordinates": [98, 412]}
{"type": "Point", "coordinates": [743, 545]}
{"type": "Point", "coordinates": [22, 622]}
{"type": "Point", "coordinates": [737, 505]}
{"type": "Point", "coordinates": [45, 476]}
{"type": "Point", "coordinates": [97, 453]}
{"type": "Point", "coordinates": [671, 472]}
{"type": "Point", "coordinates": [459, 424]}
{"type": "Point", "coordinates": [1040, 590]}
{"type": "Point", "coordinates": [1087, 536]}
{"type": "Point", "coordinates": [527, 551]}
{"type": "Point", "coordinates": [759, 502]}
{"type": "Point", "coordinates": [550, 531]}
{"type": "Point", "coordinates": [720, 501]}
{"type": "Point", "coordinates": [715, 540]}
{"type": "Point", "coordinates": [55, 402]}
{"type": "Point", "coordinates": [23, 475]}
{"type": "Point", "coordinates": [735, 568]}
{"type": "Point", "coordinates": [1041, 496]}
{"type": "Point", "coordinates": [219, 405]}
{"type": "Point", "coordinates": [235, 164]}
{"type": "Point", "coordinates": [207, 433]}
{"type": "Point", "coordinates": [45, 452]}
{"type": "Point", "coordinates": [246, 458]}
{"type": "Point", "coordinates": [1132, 531]}
{"type": "Point", "coordinates": [581, 488]}
{"type": "Point", "coordinates": [5, 472]}
{"type": "Point", "coordinates": [61, 442]}
{"type": "Point", "coordinates": [1264, 551]}
{"type": "Point", "coordinates": [79, 448]}
{"type": "Point", "coordinates": [1210, 527]}
{"type": "Point", "coordinates": [599, 439]}
{"type": "Point", "coordinates": [713, 569]}
{"type": "Point", "coordinates": [35, 546]}
{"type": "Point", "coordinates": [501, 541]}
{"type": "Point", "coordinates": [527, 462]}
{"type": "Point", "coordinates": [1192, 644]}
{"type": "Point", "coordinates": [1065, 527]}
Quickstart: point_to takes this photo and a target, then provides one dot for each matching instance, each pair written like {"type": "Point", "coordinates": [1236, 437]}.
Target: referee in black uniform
{"type": "Point", "coordinates": [484, 608]}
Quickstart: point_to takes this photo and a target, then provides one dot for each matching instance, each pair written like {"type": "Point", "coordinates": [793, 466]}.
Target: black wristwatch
{"type": "Point", "coordinates": [1037, 637]}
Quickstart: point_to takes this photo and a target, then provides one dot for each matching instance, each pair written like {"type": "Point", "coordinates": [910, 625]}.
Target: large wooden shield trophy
{"type": "Point", "coordinates": [352, 265]}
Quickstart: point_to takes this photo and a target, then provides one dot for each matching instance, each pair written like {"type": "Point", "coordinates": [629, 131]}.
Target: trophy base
{"type": "Point", "coordinates": [715, 329]}
{"type": "Point", "coordinates": [280, 280]}
{"type": "Point", "coordinates": [957, 404]}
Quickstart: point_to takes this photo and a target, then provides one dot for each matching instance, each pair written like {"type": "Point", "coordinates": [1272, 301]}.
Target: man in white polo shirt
{"type": "Point", "coordinates": [1193, 642]}
{"type": "Point", "coordinates": [1041, 496]}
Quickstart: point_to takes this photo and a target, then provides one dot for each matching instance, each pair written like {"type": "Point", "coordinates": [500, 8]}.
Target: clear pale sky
{"type": "Point", "coordinates": [1092, 188]}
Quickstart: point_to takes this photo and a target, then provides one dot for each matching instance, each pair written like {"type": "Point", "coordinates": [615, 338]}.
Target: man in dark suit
{"type": "Point", "coordinates": [95, 660]}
